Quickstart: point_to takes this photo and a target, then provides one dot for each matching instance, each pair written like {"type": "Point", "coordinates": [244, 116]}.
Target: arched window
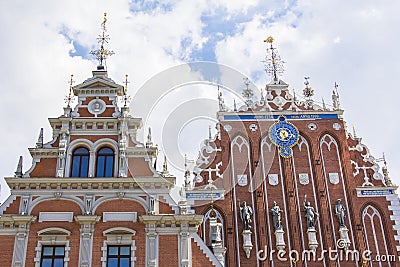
{"type": "Point", "coordinates": [80, 162]}
{"type": "Point", "coordinates": [105, 162]}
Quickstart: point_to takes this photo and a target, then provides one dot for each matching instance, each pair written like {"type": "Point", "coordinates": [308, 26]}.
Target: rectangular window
{"type": "Point", "coordinates": [52, 256]}
{"type": "Point", "coordinates": [119, 256]}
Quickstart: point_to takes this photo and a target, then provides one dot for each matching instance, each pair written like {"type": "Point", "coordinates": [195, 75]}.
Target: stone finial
{"type": "Point", "coordinates": [39, 143]}
{"type": "Point", "coordinates": [149, 142]}
{"type": "Point", "coordinates": [221, 101]}
{"type": "Point", "coordinates": [18, 172]}
{"type": "Point", "coordinates": [165, 171]}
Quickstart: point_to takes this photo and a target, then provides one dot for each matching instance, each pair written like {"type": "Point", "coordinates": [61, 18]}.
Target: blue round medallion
{"type": "Point", "coordinates": [284, 135]}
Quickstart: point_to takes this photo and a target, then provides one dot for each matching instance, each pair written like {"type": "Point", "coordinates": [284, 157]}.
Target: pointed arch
{"type": "Point", "coordinates": [328, 140]}
{"type": "Point", "coordinates": [220, 218]}
{"type": "Point", "coordinates": [371, 217]}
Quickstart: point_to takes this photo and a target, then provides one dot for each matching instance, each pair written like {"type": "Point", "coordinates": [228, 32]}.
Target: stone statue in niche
{"type": "Point", "coordinates": [340, 212]}
{"type": "Point", "coordinates": [276, 216]}
{"type": "Point", "coordinates": [310, 213]}
{"type": "Point", "coordinates": [245, 214]}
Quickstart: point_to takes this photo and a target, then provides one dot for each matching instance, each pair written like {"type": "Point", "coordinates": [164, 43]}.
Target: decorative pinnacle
{"type": "Point", "coordinates": [273, 63]}
{"type": "Point", "coordinates": [102, 53]}
{"type": "Point", "coordinates": [126, 97]}
{"type": "Point", "coordinates": [70, 97]}
{"type": "Point", "coordinates": [221, 101]}
{"type": "Point", "coordinates": [385, 171]}
{"type": "Point", "coordinates": [247, 93]}
{"type": "Point", "coordinates": [18, 172]}
{"type": "Point", "coordinates": [308, 91]}
{"type": "Point", "coordinates": [262, 94]}
{"type": "Point", "coordinates": [354, 132]}
{"type": "Point", "coordinates": [187, 173]}
{"type": "Point", "coordinates": [39, 143]}
{"type": "Point", "coordinates": [165, 165]}
{"type": "Point", "coordinates": [149, 142]}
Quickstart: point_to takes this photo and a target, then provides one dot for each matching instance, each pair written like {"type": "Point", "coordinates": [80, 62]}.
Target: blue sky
{"type": "Point", "coordinates": [351, 43]}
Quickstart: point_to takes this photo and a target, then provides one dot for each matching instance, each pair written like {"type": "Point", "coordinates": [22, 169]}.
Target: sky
{"type": "Point", "coordinates": [352, 43]}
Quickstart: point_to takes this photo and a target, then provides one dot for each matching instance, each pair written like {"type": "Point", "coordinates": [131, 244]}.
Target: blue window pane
{"type": "Point", "coordinates": [100, 166]}
{"type": "Point", "coordinates": [106, 151]}
{"type": "Point", "coordinates": [124, 262]}
{"type": "Point", "coordinates": [81, 151]}
{"type": "Point", "coordinates": [112, 250]}
{"type": "Point", "coordinates": [125, 250]}
{"type": "Point", "coordinates": [58, 262]}
{"type": "Point", "coordinates": [59, 251]}
{"type": "Point", "coordinates": [47, 251]}
{"type": "Point", "coordinates": [109, 166]}
{"type": "Point", "coordinates": [46, 263]}
{"type": "Point", "coordinates": [112, 263]}
{"type": "Point", "coordinates": [84, 166]}
{"type": "Point", "coordinates": [76, 162]}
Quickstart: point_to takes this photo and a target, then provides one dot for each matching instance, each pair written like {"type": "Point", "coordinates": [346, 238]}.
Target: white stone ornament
{"type": "Point", "coordinates": [334, 178]}
{"type": "Point", "coordinates": [227, 128]}
{"type": "Point", "coordinates": [280, 239]}
{"type": "Point", "coordinates": [312, 126]}
{"type": "Point", "coordinates": [242, 180]}
{"type": "Point", "coordinates": [312, 238]}
{"type": "Point", "coordinates": [273, 179]}
{"type": "Point", "coordinates": [96, 106]}
{"type": "Point", "coordinates": [247, 245]}
{"type": "Point", "coordinates": [336, 126]}
{"type": "Point", "coordinates": [303, 178]}
{"type": "Point", "coordinates": [253, 127]}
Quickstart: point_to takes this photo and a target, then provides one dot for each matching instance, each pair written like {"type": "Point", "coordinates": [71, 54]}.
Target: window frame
{"type": "Point", "coordinates": [52, 236]}
{"type": "Point", "coordinates": [107, 157]}
{"type": "Point", "coordinates": [53, 256]}
{"type": "Point", "coordinates": [80, 156]}
{"type": "Point", "coordinates": [119, 256]}
{"type": "Point", "coordinates": [118, 236]}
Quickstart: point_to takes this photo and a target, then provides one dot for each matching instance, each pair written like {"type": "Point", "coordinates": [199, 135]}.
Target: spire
{"type": "Point", "coordinates": [39, 143]}
{"type": "Point", "coordinates": [273, 64]}
{"type": "Point", "coordinates": [335, 97]}
{"type": "Point", "coordinates": [385, 171]}
{"type": "Point", "coordinates": [165, 171]}
{"type": "Point", "coordinates": [209, 133]}
{"type": "Point", "coordinates": [323, 104]}
{"type": "Point", "coordinates": [187, 174]}
{"type": "Point", "coordinates": [149, 142]}
{"type": "Point", "coordinates": [308, 92]}
{"type": "Point", "coordinates": [354, 132]}
{"type": "Point", "coordinates": [221, 101]}
{"type": "Point", "coordinates": [125, 91]}
{"type": "Point", "coordinates": [247, 93]}
{"type": "Point", "coordinates": [70, 96]}
{"type": "Point", "coordinates": [18, 172]}
{"type": "Point", "coordinates": [102, 53]}
{"type": "Point", "coordinates": [234, 105]}
{"type": "Point", "coordinates": [262, 94]}
{"type": "Point", "coordinates": [294, 95]}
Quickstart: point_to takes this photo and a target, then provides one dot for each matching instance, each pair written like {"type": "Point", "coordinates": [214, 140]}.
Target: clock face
{"type": "Point", "coordinates": [284, 135]}
{"type": "Point", "coordinates": [286, 152]}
